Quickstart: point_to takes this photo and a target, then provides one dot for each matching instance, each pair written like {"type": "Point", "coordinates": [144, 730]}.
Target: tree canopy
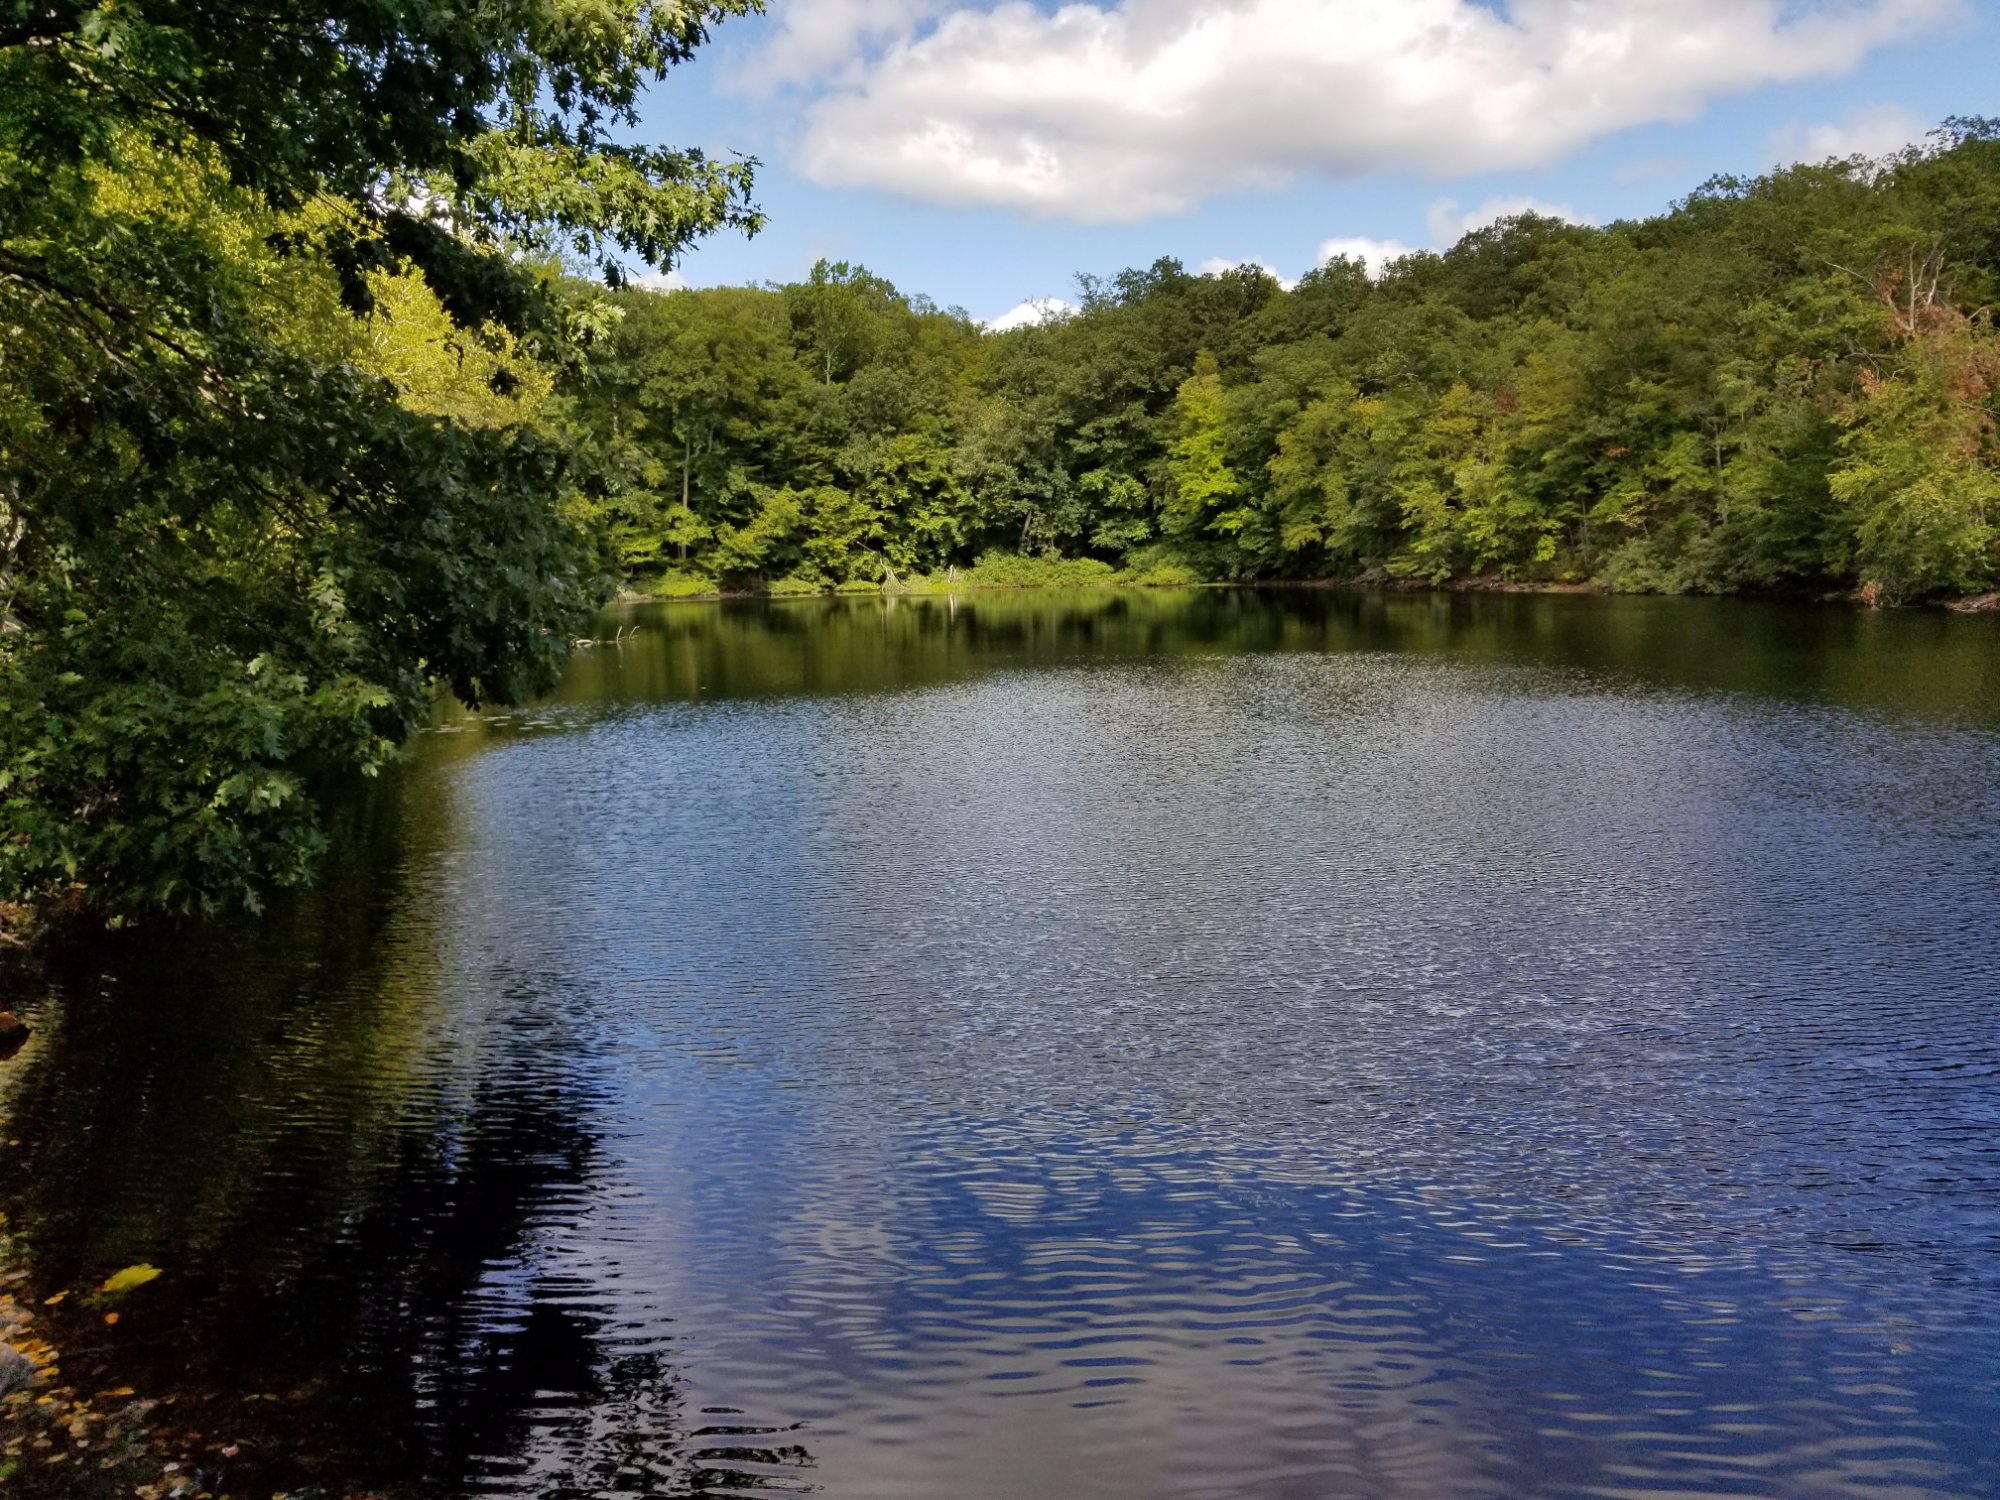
{"type": "Point", "coordinates": [1783, 384]}
{"type": "Point", "coordinates": [281, 286]}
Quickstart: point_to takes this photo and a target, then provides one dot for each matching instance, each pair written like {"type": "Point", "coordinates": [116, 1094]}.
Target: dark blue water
{"type": "Point", "coordinates": [1122, 1046]}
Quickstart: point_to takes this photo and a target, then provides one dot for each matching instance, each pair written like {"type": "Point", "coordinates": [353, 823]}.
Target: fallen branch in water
{"type": "Point", "coordinates": [625, 633]}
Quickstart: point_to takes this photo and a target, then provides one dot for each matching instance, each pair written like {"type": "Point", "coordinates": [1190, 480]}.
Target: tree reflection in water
{"type": "Point", "coordinates": [1115, 1043]}
{"type": "Point", "coordinates": [363, 1213]}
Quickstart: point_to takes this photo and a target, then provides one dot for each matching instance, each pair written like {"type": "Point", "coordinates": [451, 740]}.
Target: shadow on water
{"type": "Point", "coordinates": [351, 1201]}
{"type": "Point", "coordinates": [1183, 1043]}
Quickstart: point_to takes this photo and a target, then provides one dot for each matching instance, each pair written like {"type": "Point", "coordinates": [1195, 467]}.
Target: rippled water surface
{"type": "Point", "coordinates": [1123, 1046]}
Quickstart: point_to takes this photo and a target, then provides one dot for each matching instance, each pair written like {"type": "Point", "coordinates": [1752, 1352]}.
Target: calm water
{"type": "Point", "coordinates": [1120, 1046]}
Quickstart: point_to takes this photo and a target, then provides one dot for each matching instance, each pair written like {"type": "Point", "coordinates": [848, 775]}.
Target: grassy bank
{"type": "Point", "coordinates": [1011, 571]}
{"type": "Point", "coordinates": [995, 570]}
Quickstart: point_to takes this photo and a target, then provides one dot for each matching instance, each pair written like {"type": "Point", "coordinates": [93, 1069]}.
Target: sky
{"type": "Point", "coordinates": [985, 152]}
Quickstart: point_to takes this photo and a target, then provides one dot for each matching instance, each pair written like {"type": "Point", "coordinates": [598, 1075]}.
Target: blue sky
{"type": "Point", "coordinates": [984, 153]}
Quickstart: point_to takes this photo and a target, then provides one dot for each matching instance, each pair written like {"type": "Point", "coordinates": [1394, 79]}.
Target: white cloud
{"type": "Point", "coordinates": [1878, 130]}
{"type": "Point", "coordinates": [661, 281]}
{"type": "Point", "coordinates": [1125, 109]}
{"type": "Point", "coordinates": [1448, 223]}
{"type": "Point", "coordinates": [818, 37]}
{"type": "Point", "coordinates": [1216, 264]}
{"type": "Point", "coordinates": [1374, 254]}
{"type": "Point", "coordinates": [1034, 310]}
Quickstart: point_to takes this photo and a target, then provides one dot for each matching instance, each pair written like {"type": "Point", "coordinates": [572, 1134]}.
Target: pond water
{"type": "Point", "coordinates": [1119, 1045]}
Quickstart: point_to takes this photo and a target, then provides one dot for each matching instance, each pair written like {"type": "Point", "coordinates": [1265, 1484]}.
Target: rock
{"type": "Point", "coordinates": [12, 1034]}
{"type": "Point", "coordinates": [17, 1371]}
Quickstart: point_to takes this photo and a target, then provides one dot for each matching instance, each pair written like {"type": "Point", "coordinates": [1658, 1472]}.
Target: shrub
{"type": "Point", "coordinates": [1010, 570]}
{"type": "Point", "coordinates": [682, 586]}
{"type": "Point", "coordinates": [1152, 571]}
{"type": "Point", "coordinates": [793, 587]}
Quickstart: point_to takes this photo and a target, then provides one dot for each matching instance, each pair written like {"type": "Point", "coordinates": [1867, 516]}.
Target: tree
{"type": "Point", "coordinates": [1667, 405]}
{"type": "Point", "coordinates": [262, 494]}
{"type": "Point", "coordinates": [432, 123]}
{"type": "Point", "coordinates": [1920, 474]}
{"type": "Point", "coordinates": [834, 315]}
{"type": "Point", "coordinates": [1199, 478]}
{"type": "Point", "coordinates": [1312, 501]}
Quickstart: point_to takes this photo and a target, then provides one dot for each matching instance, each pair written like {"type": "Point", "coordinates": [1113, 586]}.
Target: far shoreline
{"type": "Point", "coordinates": [1858, 599]}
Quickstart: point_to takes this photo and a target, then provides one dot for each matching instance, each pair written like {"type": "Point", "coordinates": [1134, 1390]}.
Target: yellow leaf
{"type": "Point", "coordinates": [110, 1318]}
{"type": "Point", "coordinates": [128, 1279]}
{"type": "Point", "coordinates": [53, 1301]}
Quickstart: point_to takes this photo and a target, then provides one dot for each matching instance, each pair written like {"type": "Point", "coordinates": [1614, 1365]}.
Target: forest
{"type": "Point", "coordinates": [1784, 384]}
{"type": "Point", "coordinates": [327, 394]}
{"type": "Point", "coordinates": [284, 291]}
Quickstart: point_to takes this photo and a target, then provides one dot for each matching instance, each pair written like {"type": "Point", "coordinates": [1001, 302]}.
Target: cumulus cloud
{"type": "Point", "coordinates": [1448, 223]}
{"type": "Point", "coordinates": [661, 281]}
{"type": "Point", "coordinates": [1034, 310]}
{"type": "Point", "coordinates": [818, 38]}
{"type": "Point", "coordinates": [1374, 254]}
{"type": "Point", "coordinates": [1878, 130]}
{"type": "Point", "coordinates": [1123, 111]}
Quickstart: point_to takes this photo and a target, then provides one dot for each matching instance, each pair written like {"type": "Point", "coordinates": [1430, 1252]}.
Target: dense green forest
{"type": "Point", "coordinates": [323, 394]}
{"type": "Point", "coordinates": [1783, 384]}
{"type": "Point", "coordinates": [284, 287]}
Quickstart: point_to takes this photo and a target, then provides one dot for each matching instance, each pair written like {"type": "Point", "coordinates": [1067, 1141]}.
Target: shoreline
{"type": "Point", "coordinates": [53, 1439]}
{"type": "Point", "coordinates": [30, 930]}
{"type": "Point", "coordinates": [1854, 599]}
{"type": "Point", "coordinates": [61, 1440]}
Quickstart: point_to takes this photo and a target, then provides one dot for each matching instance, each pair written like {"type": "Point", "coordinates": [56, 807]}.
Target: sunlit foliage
{"type": "Point", "coordinates": [278, 313]}
{"type": "Point", "coordinates": [1783, 384]}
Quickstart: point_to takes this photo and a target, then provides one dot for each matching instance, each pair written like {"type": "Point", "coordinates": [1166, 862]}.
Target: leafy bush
{"type": "Point", "coordinates": [1010, 570]}
{"type": "Point", "coordinates": [682, 586]}
{"type": "Point", "coordinates": [1158, 567]}
{"type": "Point", "coordinates": [793, 587]}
